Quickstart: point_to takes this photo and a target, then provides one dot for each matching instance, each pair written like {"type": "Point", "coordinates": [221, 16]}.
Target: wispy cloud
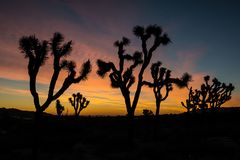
{"type": "Point", "coordinates": [12, 91]}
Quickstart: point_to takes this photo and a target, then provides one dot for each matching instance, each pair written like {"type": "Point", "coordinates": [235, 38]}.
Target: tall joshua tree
{"type": "Point", "coordinates": [36, 52]}
{"type": "Point", "coordinates": [210, 96]}
{"type": "Point", "coordinates": [162, 79]}
{"type": "Point", "coordinates": [122, 77]}
{"type": "Point", "coordinates": [79, 103]}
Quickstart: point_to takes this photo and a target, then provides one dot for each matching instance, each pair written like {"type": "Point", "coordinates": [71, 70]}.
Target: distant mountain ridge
{"type": "Point", "coordinates": [17, 113]}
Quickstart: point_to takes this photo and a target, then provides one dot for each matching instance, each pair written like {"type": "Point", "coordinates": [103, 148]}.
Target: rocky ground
{"type": "Point", "coordinates": [180, 137]}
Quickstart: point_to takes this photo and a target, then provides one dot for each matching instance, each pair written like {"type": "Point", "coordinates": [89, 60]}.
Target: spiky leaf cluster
{"type": "Point", "coordinates": [36, 51]}
{"type": "Point", "coordinates": [59, 48]}
{"type": "Point", "coordinates": [120, 77]}
{"type": "Point", "coordinates": [152, 30]}
{"type": "Point", "coordinates": [103, 68]}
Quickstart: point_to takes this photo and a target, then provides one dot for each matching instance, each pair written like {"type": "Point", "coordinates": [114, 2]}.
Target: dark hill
{"type": "Point", "coordinates": [16, 113]}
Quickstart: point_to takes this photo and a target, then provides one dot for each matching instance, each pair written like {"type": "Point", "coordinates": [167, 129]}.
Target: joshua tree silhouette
{"type": "Point", "coordinates": [79, 103]}
{"type": "Point", "coordinates": [191, 102]}
{"type": "Point", "coordinates": [210, 96]}
{"type": "Point", "coordinates": [36, 52]}
{"type": "Point", "coordinates": [59, 108]}
{"type": "Point", "coordinates": [123, 77]}
{"type": "Point", "coordinates": [162, 79]}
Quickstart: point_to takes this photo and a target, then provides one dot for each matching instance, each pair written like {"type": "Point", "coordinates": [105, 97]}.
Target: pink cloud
{"type": "Point", "coordinates": [13, 91]}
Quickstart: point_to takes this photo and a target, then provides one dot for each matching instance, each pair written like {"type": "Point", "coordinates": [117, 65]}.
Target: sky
{"type": "Point", "coordinates": [205, 39]}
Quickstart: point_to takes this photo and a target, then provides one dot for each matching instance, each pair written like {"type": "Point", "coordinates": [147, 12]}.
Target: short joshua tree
{"type": "Point", "coordinates": [59, 108]}
{"type": "Point", "coordinates": [211, 95]}
{"type": "Point", "coordinates": [79, 103]}
{"type": "Point", "coordinates": [162, 80]}
{"type": "Point", "coordinates": [191, 102]}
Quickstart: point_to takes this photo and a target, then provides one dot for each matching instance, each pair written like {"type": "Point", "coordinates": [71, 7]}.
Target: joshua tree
{"type": "Point", "coordinates": [219, 93]}
{"type": "Point", "coordinates": [162, 79]}
{"type": "Point", "coordinates": [191, 102]}
{"type": "Point", "coordinates": [36, 52]}
{"type": "Point", "coordinates": [79, 103]}
{"type": "Point", "coordinates": [210, 96]}
{"type": "Point", "coordinates": [122, 77]}
{"type": "Point", "coordinates": [59, 108]}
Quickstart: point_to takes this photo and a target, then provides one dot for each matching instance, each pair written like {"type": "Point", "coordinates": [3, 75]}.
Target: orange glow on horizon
{"type": "Point", "coordinates": [105, 100]}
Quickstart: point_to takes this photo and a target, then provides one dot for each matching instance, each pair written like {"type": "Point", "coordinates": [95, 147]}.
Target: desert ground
{"type": "Point", "coordinates": [170, 137]}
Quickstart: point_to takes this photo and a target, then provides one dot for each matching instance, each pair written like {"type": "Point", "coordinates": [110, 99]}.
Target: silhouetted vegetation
{"type": "Point", "coordinates": [121, 76]}
{"type": "Point", "coordinates": [209, 96]}
{"type": "Point", "coordinates": [180, 137]}
{"type": "Point", "coordinates": [79, 103]}
{"type": "Point", "coordinates": [162, 79]}
{"type": "Point", "coordinates": [36, 52]}
{"type": "Point", "coordinates": [147, 113]}
{"type": "Point", "coordinates": [59, 108]}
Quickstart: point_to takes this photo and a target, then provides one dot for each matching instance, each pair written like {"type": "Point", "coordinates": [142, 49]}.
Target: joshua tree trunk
{"type": "Point", "coordinates": [158, 102]}
{"type": "Point", "coordinates": [37, 134]}
{"type": "Point", "coordinates": [156, 118]}
{"type": "Point", "coordinates": [127, 100]}
{"type": "Point", "coordinates": [147, 58]}
{"type": "Point", "coordinates": [130, 116]}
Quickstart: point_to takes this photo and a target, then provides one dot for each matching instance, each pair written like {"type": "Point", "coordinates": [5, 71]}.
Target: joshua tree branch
{"type": "Point", "coordinates": [166, 95]}
{"type": "Point", "coordinates": [149, 84]}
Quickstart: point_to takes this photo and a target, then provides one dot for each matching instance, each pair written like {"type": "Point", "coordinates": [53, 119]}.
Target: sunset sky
{"type": "Point", "coordinates": [205, 41]}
